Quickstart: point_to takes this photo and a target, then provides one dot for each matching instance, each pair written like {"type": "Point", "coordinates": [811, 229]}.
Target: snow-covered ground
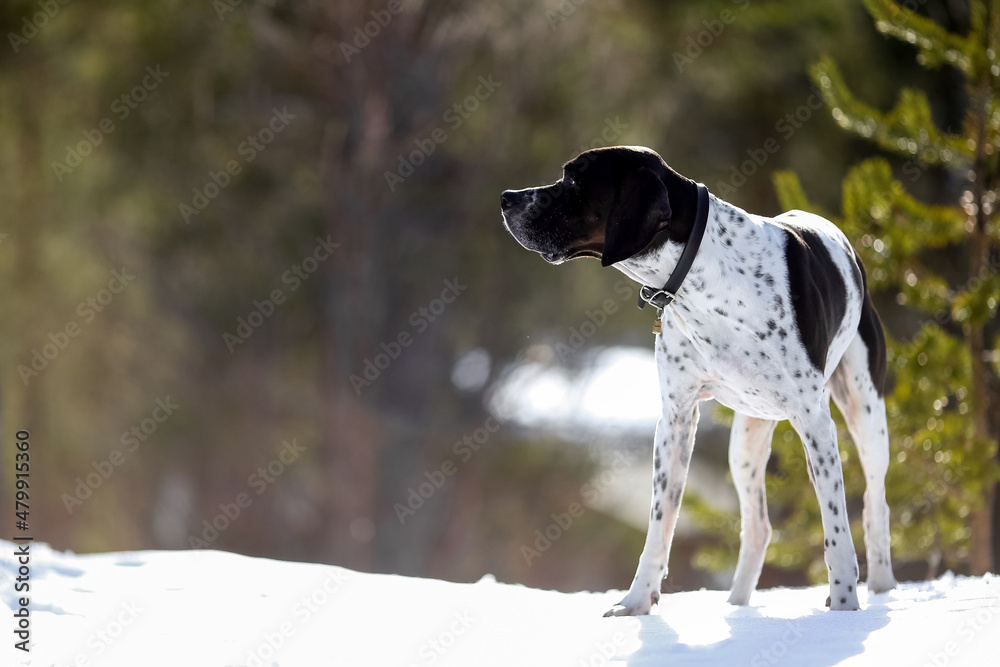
{"type": "Point", "coordinates": [220, 609]}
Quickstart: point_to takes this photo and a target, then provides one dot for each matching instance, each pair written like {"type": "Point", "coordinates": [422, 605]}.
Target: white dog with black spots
{"type": "Point", "coordinates": [771, 319]}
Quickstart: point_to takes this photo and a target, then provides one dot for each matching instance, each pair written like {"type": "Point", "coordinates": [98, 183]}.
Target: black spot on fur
{"type": "Point", "coordinates": [818, 293]}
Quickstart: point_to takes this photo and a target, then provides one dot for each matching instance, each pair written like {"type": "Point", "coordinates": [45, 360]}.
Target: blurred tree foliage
{"type": "Point", "coordinates": [939, 263]}
{"type": "Point", "coordinates": [359, 88]}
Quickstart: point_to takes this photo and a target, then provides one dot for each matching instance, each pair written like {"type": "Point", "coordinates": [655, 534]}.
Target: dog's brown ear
{"type": "Point", "coordinates": [641, 206]}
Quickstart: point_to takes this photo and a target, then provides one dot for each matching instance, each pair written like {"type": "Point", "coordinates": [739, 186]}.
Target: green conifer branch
{"type": "Point", "coordinates": [872, 197]}
{"type": "Point", "coordinates": [907, 129]}
{"type": "Point", "coordinates": [791, 194]}
{"type": "Point", "coordinates": [937, 46]}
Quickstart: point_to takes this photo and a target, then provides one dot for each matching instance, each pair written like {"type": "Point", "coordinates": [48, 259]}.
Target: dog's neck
{"type": "Point", "coordinates": [656, 262]}
{"type": "Point", "coordinates": [683, 196]}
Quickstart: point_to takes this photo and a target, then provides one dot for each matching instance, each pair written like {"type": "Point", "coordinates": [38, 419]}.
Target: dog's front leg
{"type": "Point", "coordinates": [672, 447]}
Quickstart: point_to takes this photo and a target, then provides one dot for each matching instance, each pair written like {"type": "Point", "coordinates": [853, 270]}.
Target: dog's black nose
{"type": "Point", "coordinates": [507, 199]}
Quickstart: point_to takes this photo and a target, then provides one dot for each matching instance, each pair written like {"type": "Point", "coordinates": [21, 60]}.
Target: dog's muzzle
{"type": "Point", "coordinates": [514, 205]}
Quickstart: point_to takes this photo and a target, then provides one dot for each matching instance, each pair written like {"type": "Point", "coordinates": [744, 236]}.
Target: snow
{"type": "Point", "coordinates": [617, 388]}
{"type": "Point", "coordinates": [222, 609]}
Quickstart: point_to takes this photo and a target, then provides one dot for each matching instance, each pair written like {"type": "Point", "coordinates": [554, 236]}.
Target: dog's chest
{"type": "Point", "coordinates": [736, 317]}
{"type": "Point", "coordinates": [728, 362]}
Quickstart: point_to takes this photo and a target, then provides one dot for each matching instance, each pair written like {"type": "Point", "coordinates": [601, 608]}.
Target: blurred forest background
{"type": "Point", "coordinates": [257, 295]}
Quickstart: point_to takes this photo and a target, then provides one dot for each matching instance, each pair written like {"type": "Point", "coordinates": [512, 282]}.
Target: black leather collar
{"type": "Point", "coordinates": [663, 297]}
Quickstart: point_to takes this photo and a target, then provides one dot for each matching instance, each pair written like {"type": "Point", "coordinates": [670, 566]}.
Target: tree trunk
{"type": "Point", "coordinates": [981, 520]}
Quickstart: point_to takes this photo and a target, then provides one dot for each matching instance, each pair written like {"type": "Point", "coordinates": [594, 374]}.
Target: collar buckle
{"type": "Point", "coordinates": [657, 297]}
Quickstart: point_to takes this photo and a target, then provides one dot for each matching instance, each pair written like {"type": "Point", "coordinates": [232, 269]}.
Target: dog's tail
{"type": "Point", "coordinates": [872, 334]}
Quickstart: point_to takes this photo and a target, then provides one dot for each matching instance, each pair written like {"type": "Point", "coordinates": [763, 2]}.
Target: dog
{"type": "Point", "coordinates": [769, 316]}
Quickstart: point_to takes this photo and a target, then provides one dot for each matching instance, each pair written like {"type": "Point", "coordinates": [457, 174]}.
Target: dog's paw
{"type": "Point", "coordinates": [739, 599]}
{"type": "Point", "coordinates": [846, 602]}
{"type": "Point", "coordinates": [628, 608]}
{"type": "Point", "coordinates": [881, 584]}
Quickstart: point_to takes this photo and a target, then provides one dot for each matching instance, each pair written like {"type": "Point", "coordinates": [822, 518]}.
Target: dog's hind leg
{"type": "Point", "coordinates": [819, 437]}
{"type": "Point", "coordinates": [749, 448]}
{"type": "Point", "coordinates": [856, 395]}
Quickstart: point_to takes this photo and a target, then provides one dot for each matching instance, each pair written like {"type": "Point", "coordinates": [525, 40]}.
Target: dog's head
{"type": "Point", "coordinates": [609, 204]}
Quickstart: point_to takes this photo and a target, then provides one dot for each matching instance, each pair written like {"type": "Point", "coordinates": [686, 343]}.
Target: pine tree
{"type": "Point", "coordinates": [944, 408]}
